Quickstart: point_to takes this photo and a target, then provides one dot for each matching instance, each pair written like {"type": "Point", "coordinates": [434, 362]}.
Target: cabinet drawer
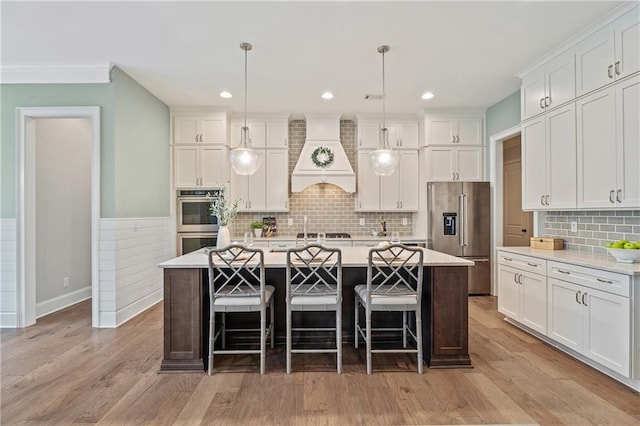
{"type": "Point", "coordinates": [525, 263]}
{"type": "Point", "coordinates": [609, 282]}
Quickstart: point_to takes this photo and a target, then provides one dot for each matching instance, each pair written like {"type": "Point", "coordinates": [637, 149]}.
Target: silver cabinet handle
{"type": "Point", "coordinates": [520, 279]}
{"type": "Point", "coordinates": [532, 264]}
{"type": "Point", "coordinates": [457, 138]}
{"type": "Point", "coordinates": [617, 67]}
{"type": "Point", "coordinates": [453, 174]}
{"type": "Point", "coordinates": [611, 196]}
{"type": "Point", "coordinates": [285, 141]}
{"type": "Point", "coordinates": [564, 272]}
{"type": "Point", "coordinates": [547, 101]}
{"type": "Point", "coordinates": [360, 144]}
{"type": "Point", "coordinates": [541, 103]}
{"type": "Point", "coordinates": [508, 259]}
{"type": "Point", "coordinates": [542, 200]}
{"type": "Point", "coordinates": [578, 297]}
{"type": "Point", "coordinates": [584, 302]}
{"type": "Point", "coordinates": [619, 195]}
{"type": "Point", "coordinates": [610, 71]}
{"type": "Point", "coordinates": [604, 281]}
{"type": "Point", "coordinates": [453, 138]}
{"type": "Point", "coordinates": [546, 200]}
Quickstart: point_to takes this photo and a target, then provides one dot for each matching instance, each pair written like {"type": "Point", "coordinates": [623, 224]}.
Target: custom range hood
{"type": "Point", "coordinates": [323, 159]}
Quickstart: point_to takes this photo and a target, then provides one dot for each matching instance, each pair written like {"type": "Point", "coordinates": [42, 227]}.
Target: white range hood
{"type": "Point", "coordinates": [331, 164]}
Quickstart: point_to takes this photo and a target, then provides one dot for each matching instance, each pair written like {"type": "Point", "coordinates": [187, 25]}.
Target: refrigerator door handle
{"type": "Point", "coordinates": [461, 223]}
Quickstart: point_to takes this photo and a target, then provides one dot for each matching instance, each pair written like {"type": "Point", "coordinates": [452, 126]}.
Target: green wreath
{"type": "Point", "coordinates": [322, 157]}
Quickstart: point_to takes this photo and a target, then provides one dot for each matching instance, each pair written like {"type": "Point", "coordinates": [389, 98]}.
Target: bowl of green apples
{"type": "Point", "coordinates": [624, 251]}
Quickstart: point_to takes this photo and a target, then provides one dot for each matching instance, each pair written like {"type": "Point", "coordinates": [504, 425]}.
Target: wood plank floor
{"type": "Point", "coordinates": [61, 371]}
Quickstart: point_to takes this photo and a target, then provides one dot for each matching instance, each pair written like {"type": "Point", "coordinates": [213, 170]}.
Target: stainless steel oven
{"type": "Point", "coordinates": [193, 211]}
{"type": "Point", "coordinates": [188, 242]}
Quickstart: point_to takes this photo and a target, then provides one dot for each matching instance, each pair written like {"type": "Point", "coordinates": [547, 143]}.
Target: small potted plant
{"type": "Point", "coordinates": [257, 228]}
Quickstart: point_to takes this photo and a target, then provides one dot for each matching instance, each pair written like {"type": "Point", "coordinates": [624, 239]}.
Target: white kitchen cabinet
{"type": "Point", "coordinates": [549, 160]}
{"type": "Point", "coordinates": [277, 181]}
{"type": "Point", "coordinates": [592, 322]}
{"type": "Point", "coordinates": [200, 166]}
{"type": "Point", "coordinates": [608, 149]}
{"type": "Point", "coordinates": [455, 163]}
{"type": "Point", "coordinates": [548, 87]}
{"type": "Point", "coordinates": [399, 192]}
{"type": "Point", "coordinates": [257, 134]}
{"type": "Point", "coordinates": [200, 129]}
{"type": "Point", "coordinates": [266, 190]}
{"type": "Point", "coordinates": [522, 294]}
{"type": "Point", "coordinates": [450, 131]}
{"type": "Point", "coordinates": [402, 134]}
{"type": "Point", "coordinates": [277, 134]}
{"type": "Point", "coordinates": [368, 185]}
{"type": "Point", "coordinates": [610, 54]}
{"type": "Point", "coordinates": [263, 133]}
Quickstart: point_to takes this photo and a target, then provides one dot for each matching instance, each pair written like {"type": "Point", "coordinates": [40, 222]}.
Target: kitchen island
{"type": "Point", "coordinates": [444, 306]}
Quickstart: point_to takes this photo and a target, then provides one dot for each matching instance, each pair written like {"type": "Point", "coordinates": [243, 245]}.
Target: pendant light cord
{"type": "Point", "coordinates": [245, 89]}
{"type": "Point", "coordinates": [384, 125]}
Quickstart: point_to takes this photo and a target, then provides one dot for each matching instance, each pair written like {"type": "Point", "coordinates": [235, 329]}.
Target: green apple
{"type": "Point", "coordinates": [618, 244]}
{"type": "Point", "coordinates": [609, 245]}
{"type": "Point", "coordinates": [638, 245]}
{"type": "Point", "coordinates": [628, 246]}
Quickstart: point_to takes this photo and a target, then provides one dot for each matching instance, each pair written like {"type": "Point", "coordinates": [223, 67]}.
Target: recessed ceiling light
{"type": "Point", "coordinates": [427, 95]}
{"type": "Point", "coordinates": [226, 95]}
{"type": "Point", "coordinates": [327, 95]}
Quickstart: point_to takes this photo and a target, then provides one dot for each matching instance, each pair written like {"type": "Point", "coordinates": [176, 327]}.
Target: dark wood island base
{"type": "Point", "coordinates": [444, 313]}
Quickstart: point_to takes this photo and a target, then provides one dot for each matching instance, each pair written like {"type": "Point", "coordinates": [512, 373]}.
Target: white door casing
{"type": "Point", "coordinates": [25, 215]}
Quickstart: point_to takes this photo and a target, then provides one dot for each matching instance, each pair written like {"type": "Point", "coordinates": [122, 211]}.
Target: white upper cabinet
{"type": "Point", "coordinates": [200, 166]}
{"type": "Point", "coordinates": [200, 129]}
{"type": "Point", "coordinates": [549, 160]}
{"type": "Point", "coordinates": [398, 192]}
{"type": "Point", "coordinates": [610, 54]}
{"type": "Point", "coordinates": [257, 134]}
{"type": "Point", "coordinates": [450, 131]}
{"type": "Point", "coordinates": [548, 87]}
{"type": "Point", "coordinates": [277, 134]}
{"type": "Point", "coordinates": [609, 147]}
{"type": "Point", "coordinates": [402, 133]}
{"type": "Point", "coordinates": [463, 163]}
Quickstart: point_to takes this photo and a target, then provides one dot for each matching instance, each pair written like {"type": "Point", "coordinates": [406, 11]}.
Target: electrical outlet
{"type": "Point", "coordinates": [574, 226]}
{"type": "Point", "coordinates": [404, 221]}
{"type": "Point", "coordinates": [290, 221]}
{"type": "Point", "coordinates": [362, 221]}
{"type": "Point", "coordinates": [65, 282]}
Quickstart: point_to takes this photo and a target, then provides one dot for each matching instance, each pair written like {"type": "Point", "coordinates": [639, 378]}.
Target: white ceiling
{"type": "Point", "coordinates": [467, 53]}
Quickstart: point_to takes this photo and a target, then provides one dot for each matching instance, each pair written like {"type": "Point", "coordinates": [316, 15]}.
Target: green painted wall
{"type": "Point", "coordinates": [503, 115]}
{"type": "Point", "coordinates": [141, 150]}
{"type": "Point", "coordinates": [134, 151]}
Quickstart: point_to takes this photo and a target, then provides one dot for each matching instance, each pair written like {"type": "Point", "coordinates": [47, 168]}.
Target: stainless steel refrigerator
{"type": "Point", "coordinates": [459, 223]}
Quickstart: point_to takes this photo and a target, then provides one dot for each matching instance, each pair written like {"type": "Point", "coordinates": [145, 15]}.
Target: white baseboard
{"type": "Point", "coordinates": [8, 320]}
{"type": "Point", "coordinates": [52, 305]}
{"type": "Point", "coordinates": [125, 314]}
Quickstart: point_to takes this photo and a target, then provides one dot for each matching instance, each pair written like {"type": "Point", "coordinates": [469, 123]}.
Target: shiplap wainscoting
{"type": "Point", "coordinates": [8, 279]}
{"type": "Point", "coordinates": [130, 280]}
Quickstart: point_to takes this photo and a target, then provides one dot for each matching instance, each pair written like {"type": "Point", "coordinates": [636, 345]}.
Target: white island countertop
{"type": "Point", "coordinates": [351, 256]}
{"type": "Point", "coordinates": [604, 262]}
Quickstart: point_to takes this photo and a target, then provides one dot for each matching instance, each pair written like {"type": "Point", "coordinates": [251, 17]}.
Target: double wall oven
{"type": "Point", "coordinates": [196, 228]}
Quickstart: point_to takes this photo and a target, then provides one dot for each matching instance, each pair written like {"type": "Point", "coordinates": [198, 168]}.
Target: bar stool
{"type": "Point", "coordinates": [237, 284]}
{"type": "Point", "coordinates": [394, 283]}
{"type": "Point", "coordinates": [314, 283]}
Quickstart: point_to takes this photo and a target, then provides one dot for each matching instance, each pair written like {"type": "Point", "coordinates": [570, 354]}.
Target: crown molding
{"type": "Point", "coordinates": [43, 74]}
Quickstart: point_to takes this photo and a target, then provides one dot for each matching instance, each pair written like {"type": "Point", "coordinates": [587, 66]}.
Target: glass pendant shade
{"type": "Point", "coordinates": [244, 160]}
{"type": "Point", "coordinates": [384, 161]}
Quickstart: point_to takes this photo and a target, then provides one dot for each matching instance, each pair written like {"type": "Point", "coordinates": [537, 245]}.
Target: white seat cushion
{"type": "Point", "coordinates": [314, 300]}
{"type": "Point", "coordinates": [386, 299]}
{"type": "Point", "coordinates": [237, 300]}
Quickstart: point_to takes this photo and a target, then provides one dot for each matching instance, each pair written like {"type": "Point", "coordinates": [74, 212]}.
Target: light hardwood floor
{"type": "Point", "coordinates": [61, 371]}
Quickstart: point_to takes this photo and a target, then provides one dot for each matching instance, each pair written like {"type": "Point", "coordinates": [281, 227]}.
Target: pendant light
{"type": "Point", "coordinates": [244, 160]}
{"type": "Point", "coordinates": [384, 161]}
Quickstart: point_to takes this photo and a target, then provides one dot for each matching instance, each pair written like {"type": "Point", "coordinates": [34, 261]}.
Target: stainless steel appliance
{"type": "Point", "coordinates": [196, 226]}
{"type": "Point", "coordinates": [459, 216]}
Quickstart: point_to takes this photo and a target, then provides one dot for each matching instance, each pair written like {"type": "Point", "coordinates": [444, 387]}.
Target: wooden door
{"type": "Point", "coordinates": [517, 225]}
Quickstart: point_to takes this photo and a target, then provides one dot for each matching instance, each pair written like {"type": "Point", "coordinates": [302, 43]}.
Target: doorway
{"type": "Point", "coordinates": [49, 279]}
{"type": "Point", "coordinates": [517, 224]}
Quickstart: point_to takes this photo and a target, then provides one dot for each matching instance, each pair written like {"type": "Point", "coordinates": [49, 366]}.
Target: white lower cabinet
{"type": "Point", "coordinates": [590, 321]}
{"type": "Point", "coordinates": [522, 295]}
{"type": "Point", "coordinates": [586, 311]}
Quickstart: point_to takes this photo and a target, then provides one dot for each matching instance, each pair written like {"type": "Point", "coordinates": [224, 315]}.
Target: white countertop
{"type": "Point", "coordinates": [606, 262]}
{"type": "Point", "coordinates": [351, 256]}
{"type": "Point", "coordinates": [410, 238]}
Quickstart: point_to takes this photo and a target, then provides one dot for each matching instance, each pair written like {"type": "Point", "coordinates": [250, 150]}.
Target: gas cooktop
{"type": "Point", "coordinates": [329, 235]}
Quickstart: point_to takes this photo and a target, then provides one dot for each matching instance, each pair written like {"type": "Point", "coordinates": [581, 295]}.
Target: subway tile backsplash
{"type": "Point", "coordinates": [595, 228]}
{"type": "Point", "coordinates": [327, 207]}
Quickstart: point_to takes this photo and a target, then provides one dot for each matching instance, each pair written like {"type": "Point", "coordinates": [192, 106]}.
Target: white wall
{"type": "Point", "coordinates": [63, 212]}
